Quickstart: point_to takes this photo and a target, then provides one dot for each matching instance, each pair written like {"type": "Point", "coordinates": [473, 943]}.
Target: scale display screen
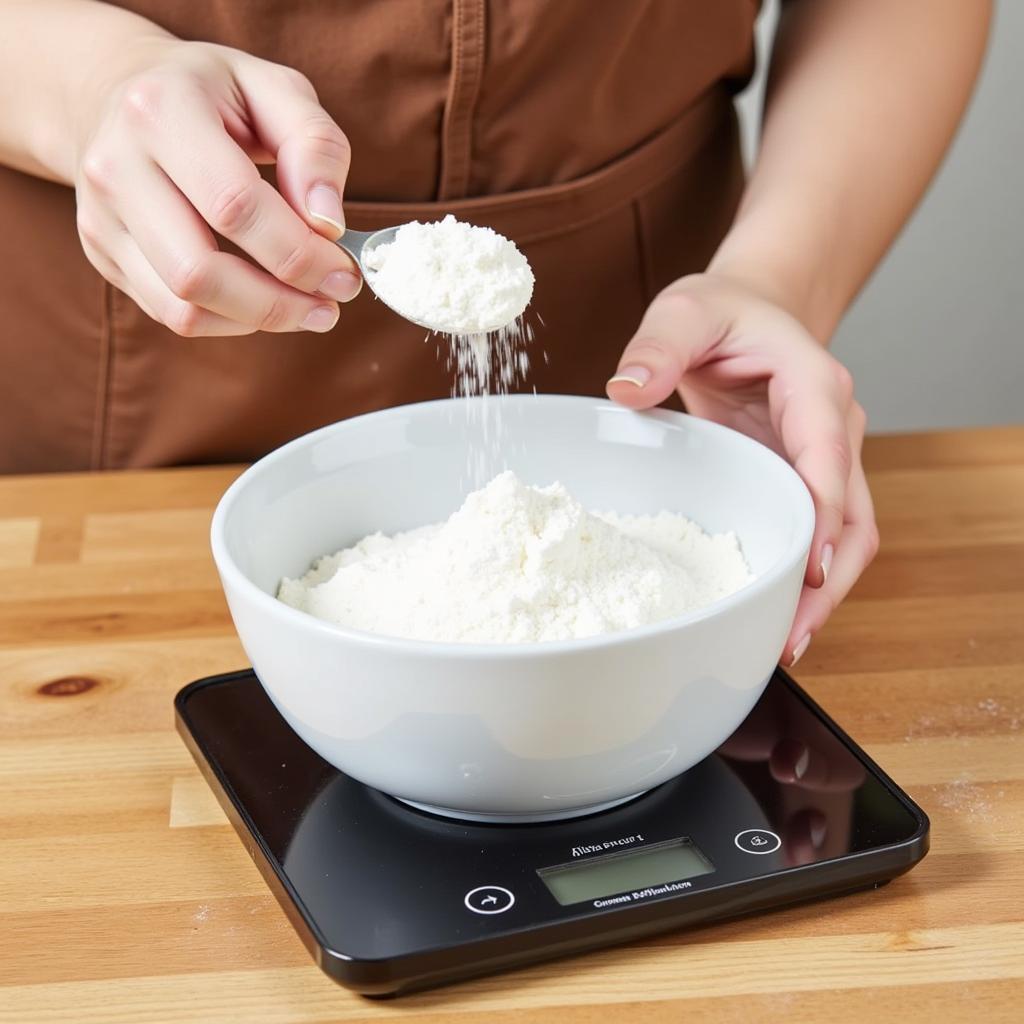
{"type": "Point", "coordinates": [674, 860]}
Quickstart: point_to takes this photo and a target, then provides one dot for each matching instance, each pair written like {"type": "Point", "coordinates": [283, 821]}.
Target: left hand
{"type": "Point", "coordinates": [737, 358]}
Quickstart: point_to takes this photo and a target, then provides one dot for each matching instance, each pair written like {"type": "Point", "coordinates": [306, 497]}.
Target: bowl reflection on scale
{"type": "Point", "coordinates": [565, 786]}
{"type": "Point", "coordinates": [352, 840]}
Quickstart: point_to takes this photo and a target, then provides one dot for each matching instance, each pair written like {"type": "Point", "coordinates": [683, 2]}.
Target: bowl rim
{"type": "Point", "coordinates": [796, 552]}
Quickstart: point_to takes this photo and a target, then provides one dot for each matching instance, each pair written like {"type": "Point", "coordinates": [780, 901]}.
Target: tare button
{"type": "Point", "coordinates": [757, 840]}
{"type": "Point", "coordinates": [489, 899]}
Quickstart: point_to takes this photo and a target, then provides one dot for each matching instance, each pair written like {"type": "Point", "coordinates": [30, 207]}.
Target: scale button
{"type": "Point", "coordinates": [757, 840]}
{"type": "Point", "coordinates": [489, 899]}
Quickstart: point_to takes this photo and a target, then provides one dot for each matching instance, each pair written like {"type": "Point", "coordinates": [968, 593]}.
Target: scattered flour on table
{"type": "Point", "coordinates": [459, 278]}
{"type": "Point", "coordinates": [518, 564]}
{"type": "Point", "coordinates": [965, 798]}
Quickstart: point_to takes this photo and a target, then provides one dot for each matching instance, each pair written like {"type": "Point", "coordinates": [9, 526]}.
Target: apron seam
{"type": "Point", "coordinates": [644, 261]}
{"type": "Point", "coordinates": [104, 378]}
{"type": "Point", "coordinates": [468, 18]}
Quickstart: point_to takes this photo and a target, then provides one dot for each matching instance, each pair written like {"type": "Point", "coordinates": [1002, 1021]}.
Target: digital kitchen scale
{"type": "Point", "coordinates": [389, 898]}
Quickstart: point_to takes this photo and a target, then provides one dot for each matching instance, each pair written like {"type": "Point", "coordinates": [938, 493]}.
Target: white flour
{"type": "Point", "coordinates": [518, 564]}
{"type": "Point", "coordinates": [456, 277]}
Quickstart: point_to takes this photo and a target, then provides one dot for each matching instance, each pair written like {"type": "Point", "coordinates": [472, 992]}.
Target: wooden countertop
{"type": "Point", "coordinates": [125, 896]}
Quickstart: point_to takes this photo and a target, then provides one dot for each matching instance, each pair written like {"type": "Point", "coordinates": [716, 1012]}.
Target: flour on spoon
{"type": "Point", "coordinates": [459, 277]}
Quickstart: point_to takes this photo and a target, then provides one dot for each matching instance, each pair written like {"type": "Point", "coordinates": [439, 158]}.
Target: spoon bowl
{"type": "Point", "coordinates": [360, 243]}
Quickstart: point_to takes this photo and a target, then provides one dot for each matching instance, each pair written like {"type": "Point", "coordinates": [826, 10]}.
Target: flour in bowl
{"type": "Point", "coordinates": [457, 277]}
{"type": "Point", "coordinates": [521, 564]}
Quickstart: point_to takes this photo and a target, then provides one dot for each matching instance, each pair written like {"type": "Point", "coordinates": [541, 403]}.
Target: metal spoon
{"type": "Point", "coordinates": [358, 243]}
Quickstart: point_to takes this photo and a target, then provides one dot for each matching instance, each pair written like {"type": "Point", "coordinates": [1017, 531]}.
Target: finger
{"type": "Point", "coordinates": [803, 835]}
{"type": "Point", "coordinates": [791, 760]}
{"type": "Point", "coordinates": [226, 189]}
{"type": "Point", "coordinates": [182, 251]}
{"type": "Point", "coordinates": [115, 276]}
{"type": "Point", "coordinates": [312, 152]}
{"type": "Point", "coordinates": [98, 229]}
{"type": "Point", "coordinates": [794, 762]}
{"type": "Point", "coordinates": [183, 318]}
{"type": "Point", "coordinates": [676, 332]}
{"type": "Point", "coordinates": [106, 267]}
{"type": "Point", "coordinates": [857, 547]}
{"type": "Point", "coordinates": [101, 232]}
{"type": "Point", "coordinates": [809, 408]}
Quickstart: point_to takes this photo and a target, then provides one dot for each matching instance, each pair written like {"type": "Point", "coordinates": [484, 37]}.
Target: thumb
{"type": "Point", "coordinates": [676, 333]}
{"type": "Point", "coordinates": [312, 152]}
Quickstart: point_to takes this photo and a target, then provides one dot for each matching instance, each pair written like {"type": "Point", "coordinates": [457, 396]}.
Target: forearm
{"type": "Point", "coordinates": [863, 99]}
{"type": "Point", "coordinates": [54, 56]}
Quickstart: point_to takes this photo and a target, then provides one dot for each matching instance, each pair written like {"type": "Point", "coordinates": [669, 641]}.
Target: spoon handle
{"type": "Point", "coordinates": [353, 243]}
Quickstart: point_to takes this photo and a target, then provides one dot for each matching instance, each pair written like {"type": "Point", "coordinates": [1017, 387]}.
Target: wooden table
{"type": "Point", "coordinates": [125, 896]}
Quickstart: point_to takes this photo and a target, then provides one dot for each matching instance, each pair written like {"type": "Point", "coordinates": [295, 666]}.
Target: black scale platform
{"type": "Point", "coordinates": [390, 899]}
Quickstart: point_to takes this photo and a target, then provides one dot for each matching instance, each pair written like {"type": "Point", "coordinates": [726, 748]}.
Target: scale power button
{"type": "Point", "coordinates": [489, 899]}
{"type": "Point", "coordinates": [757, 840]}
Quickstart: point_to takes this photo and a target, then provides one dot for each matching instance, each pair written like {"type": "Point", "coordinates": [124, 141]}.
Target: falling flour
{"type": "Point", "coordinates": [520, 564]}
{"type": "Point", "coordinates": [473, 286]}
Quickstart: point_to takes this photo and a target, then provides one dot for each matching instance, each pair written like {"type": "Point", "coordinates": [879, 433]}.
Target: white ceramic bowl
{"type": "Point", "coordinates": [512, 732]}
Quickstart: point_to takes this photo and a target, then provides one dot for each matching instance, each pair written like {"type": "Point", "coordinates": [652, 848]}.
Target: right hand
{"type": "Point", "coordinates": [815, 778]}
{"type": "Point", "coordinates": [167, 158]}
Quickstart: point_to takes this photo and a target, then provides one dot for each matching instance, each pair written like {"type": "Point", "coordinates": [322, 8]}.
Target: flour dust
{"type": "Point", "coordinates": [482, 365]}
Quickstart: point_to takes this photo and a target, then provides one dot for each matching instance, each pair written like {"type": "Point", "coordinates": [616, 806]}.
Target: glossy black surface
{"type": "Point", "coordinates": [388, 897]}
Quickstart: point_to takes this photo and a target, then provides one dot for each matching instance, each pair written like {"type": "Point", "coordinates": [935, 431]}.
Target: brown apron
{"type": "Point", "coordinates": [600, 137]}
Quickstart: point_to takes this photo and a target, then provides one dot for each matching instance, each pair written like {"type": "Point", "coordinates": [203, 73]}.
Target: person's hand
{"type": "Point", "coordinates": [814, 778]}
{"type": "Point", "coordinates": [167, 158]}
{"type": "Point", "coordinates": [740, 360]}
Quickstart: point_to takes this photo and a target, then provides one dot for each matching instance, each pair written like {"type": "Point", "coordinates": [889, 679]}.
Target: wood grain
{"type": "Point", "coordinates": [125, 896]}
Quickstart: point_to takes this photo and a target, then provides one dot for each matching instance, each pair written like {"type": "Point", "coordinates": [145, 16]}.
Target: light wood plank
{"type": "Point", "coordinates": [193, 804]}
{"type": "Point", "coordinates": [18, 539]}
{"type": "Point", "coordinates": [134, 684]}
{"type": "Point", "coordinates": [134, 536]}
{"type": "Point", "coordinates": [288, 995]}
{"type": "Point", "coordinates": [60, 539]}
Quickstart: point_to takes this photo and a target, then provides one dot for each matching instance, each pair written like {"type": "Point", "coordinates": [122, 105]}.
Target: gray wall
{"type": "Point", "coordinates": [936, 339]}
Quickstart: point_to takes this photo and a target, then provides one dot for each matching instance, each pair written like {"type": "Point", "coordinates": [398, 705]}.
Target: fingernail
{"type": "Point", "coordinates": [638, 375]}
{"type": "Point", "coordinates": [789, 760]}
{"type": "Point", "coordinates": [800, 768]}
{"type": "Point", "coordinates": [798, 651]}
{"type": "Point", "coordinates": [324, 203]}
{"type": "Point", "coordinates": [341, 285]}
{"type": "Point", "coordinates": [826, 562]}
{"type": "Point", "coordinates": [321, 319]}
{"type": "Point", "coordinates": [818, 830]}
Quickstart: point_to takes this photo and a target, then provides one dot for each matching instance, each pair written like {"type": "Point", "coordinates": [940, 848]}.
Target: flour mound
{"type": "Point", "coordinates": [519, 564]}
{"type": "Point", "coordinates": [456, 277]}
